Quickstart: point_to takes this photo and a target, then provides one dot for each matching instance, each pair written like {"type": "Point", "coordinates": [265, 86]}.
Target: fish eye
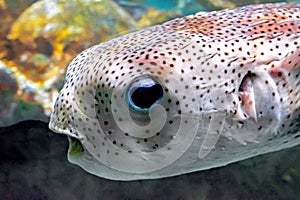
{"type": "Point", "coordinates": [143, 93]}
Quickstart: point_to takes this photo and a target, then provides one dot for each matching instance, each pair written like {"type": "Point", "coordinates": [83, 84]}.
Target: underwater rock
{"type": "Point", "coordinates": [49, 33]}
{"type": "Point", "coordinates": [8, 89]}
{"type": "Point", "coordinates": [17, 103]}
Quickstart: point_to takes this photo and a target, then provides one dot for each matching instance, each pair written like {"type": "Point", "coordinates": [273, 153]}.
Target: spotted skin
{"type": "Point", "coordinates": [230, 83]}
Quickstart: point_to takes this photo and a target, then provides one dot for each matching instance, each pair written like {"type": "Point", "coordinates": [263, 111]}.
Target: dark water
{"type": "Point", "coordinates": [33, 165]}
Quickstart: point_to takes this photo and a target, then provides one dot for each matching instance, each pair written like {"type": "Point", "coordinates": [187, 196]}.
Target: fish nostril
{"type": "Point", "coordinates": [143, 93]}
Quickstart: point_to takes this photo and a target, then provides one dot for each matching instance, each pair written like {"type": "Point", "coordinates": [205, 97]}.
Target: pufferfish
{"type": "Point", "coordinates": [191, 94]}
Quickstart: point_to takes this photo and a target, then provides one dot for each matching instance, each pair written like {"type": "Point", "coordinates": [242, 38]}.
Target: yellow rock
{"type": "Point", "coordinates": [49, 34]}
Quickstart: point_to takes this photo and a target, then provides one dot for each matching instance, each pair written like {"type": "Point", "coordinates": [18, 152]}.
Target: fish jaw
{"type": "Point", "coordinates": [231, 91]}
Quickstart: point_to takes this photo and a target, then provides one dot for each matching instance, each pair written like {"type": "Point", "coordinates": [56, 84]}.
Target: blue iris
{"type": "Point", "coordinates": [143, 93]}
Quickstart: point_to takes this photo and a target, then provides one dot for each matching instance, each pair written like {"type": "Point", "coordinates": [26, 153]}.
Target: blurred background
{"type": "Point", "coordinates": [37, 41]}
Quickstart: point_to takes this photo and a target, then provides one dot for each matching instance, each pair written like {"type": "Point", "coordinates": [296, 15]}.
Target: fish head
{"type": "Point", "coordinates": [193, 93]}
{"type": "Point", "coordinates": [130, 104]}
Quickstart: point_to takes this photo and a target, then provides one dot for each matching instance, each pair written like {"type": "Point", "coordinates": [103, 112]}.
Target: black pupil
{"type": "Point", "coordinates": [145, 97]}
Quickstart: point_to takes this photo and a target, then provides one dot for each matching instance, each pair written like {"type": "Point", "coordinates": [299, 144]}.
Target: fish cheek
{"type": "Point", "coordinates": [122, 139]}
